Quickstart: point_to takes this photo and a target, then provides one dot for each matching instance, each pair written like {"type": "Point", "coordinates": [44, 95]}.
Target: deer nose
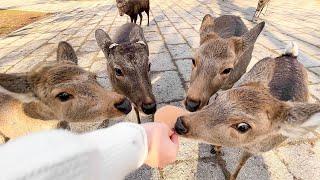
{"type": "Point", "coordinates": [192, 105]}
{"type": "Point", "coordinates": [149, 108]}
{"type": "Point", "coordinates": [180, 126]}
{"type": "Point", "coordinates": [124, 106]}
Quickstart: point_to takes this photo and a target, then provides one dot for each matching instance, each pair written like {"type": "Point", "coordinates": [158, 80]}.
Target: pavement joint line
{"type": "Point", "coordinates": [170, 54]}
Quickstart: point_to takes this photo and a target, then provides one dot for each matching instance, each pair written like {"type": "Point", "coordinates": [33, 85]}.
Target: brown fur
{"type": "Point", "coordinates": [132, 59]}
{"type": "Point", "coordinates": [29, 99]}
{"type": "Point", "coordinates": [133, 8]}
{"type": "Point", "coordinates": [225, 43]}
{"type": "Point", "coordinates": [271, 98]}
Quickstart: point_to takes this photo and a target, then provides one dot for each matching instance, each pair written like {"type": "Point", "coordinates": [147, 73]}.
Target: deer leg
{"type": "Point", "coordinates": [223, 165]}
{"type": "Point", "coordinates": [135, 19]}
{"type": "Point", "coordinates": [131, 19]}
{"type": "Point", "coordinates": [147, 11]}
{"type": "Point", "coordinates": [140, 15]}
{"type": "Point", "coordinates": [138, 115]}
{"type": "Point", "coordinates": [244, 157]}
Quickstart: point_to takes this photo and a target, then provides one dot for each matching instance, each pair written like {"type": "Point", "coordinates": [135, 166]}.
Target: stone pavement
{"type": "Point", "coordinates": [172, 34]}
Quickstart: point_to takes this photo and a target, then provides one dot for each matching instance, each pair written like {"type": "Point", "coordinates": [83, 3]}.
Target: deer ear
{"type": "Point", "coordinates": [104, 41]}
{"type": "Point", "coordinates": [241, 44]}
{"type": "Point", "coordinates": [65, 52]}
{"type": "Point", "coordinates": [300, 118]}
{"type": "Point", "coordinates": [250, 37]}
{"type": "Point", "coordinates": [207, 26]}
{"type": "Point", "coordinates": [17, 86]}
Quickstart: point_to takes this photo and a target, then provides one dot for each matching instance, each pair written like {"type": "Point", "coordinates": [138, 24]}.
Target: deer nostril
{"type": "Point", "coordinates": [124, 106]}
{"type": "Point", "coordinates": [192, 105]}
{"type": "Point", "coordinates": [149, 108]}
{"type": "Point", "coordinates": [180, 126]}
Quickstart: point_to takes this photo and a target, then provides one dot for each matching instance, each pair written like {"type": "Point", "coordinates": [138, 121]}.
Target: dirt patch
{"type": "Point", "coordinates": [11, 20]}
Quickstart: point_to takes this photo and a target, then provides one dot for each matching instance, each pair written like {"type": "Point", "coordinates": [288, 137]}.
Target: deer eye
{"type": "Point", "coordinates": [118, 72]}
{"type": "Point", "coordinates": [193, 62]}
{"type": "Point", "coordinates": [63, 97]}
{"type": "Point", "coordinates": [149, 67]}
{"type": "Point", "coordinates": [242, 127]}
{"type": "Point", "coordinates": [226, 71]}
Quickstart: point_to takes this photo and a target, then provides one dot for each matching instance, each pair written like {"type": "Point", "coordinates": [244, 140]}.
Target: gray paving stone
{"type": "Point", "coordinates": [167, 86]}
{"type": "Point", "coordinates": [189, 33]}
{"type": "Point", "coordinates": [161, 62]}
{"type": "Point", "coordinates": [185, 68]}
{"type": "Point", "coordinates": [86, 59]}
{"type": "Point", "coordinates": [173, 39]}
{"type": "Point", "coordinates": [26, 64]}
{"type": "Point", "coordinates": [157, 47]}
{"type": "Point", "coordinates": [168, 30]}
{"type": "Point", "coordinates": [152, 36]}
{"type": "Point", "coordinates": [180, 51]}
{"type": "Point", "coordinates": [300, 161]}
{"type": "Point", "coordinates": [89, 46]}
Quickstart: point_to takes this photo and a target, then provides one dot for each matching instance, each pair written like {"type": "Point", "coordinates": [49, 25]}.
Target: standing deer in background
{"type": "Point", "coordinates": [128, 65]}
{"type": "Point", "coordinates": [225, 51]}
{"type": "Point", "coordinates": [264, 108]}
{"type": "Point", "coordinates": [133, 8]}
{"type": "Point", "coordinates": [53, 94]}
{"type": "Point", "coordinates": [261, 5]}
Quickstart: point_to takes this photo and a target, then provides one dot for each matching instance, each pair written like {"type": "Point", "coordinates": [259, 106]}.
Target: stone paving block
{"type": "Point", "coordinates": [180, 51]}
{"type": "Point", "coordinates": [189, 33]}
{"type": "Point", "coordinates": [301, 162]}
{"type": "Point", "coordinates": [164, 24]}
{"type": "Point", "coordinates": [307, 60]}
{"type": "Point", "coordinates": [143, 173]}
{"type": "Point", "coordinates": [3, 69]}
{"type": "Point", "coordinates": [312, 77]}
{"type": "Point", "coordinates": [182, 25]}
{"type": "Point", "coordinates": [26, 64]}
{"type": "Point", "coordinates": [202, 170]}
{"type": "Point", "coordinates": [168, 30]}
{"type": "Point", "coordinates": [161, 62]}
{"type": "Point", "coordinates": [152, 36]}
{"type": "Point", "coordinates": [173, 39]}
{"type": "Point", "coordinates": [157, 47]}
{"type": "Point", "coordinates": [194, 42]}
{"type": "Point", "coordinates": [167, 86]}
{"type": "Point", "coordinates": [276, 169]}
{"type": "Point", "coordinates": [77, 41]}
{"type": "Point", "coordinates": [185, 68]}
{"type": "Point", "coordinates": [89, 46]}
{"type": "Point", "coordinates": [99, 65]}
{"type": "Point", "coordinates": [86, 59]}
{"type": "Point", "coordinates": [45, 50]}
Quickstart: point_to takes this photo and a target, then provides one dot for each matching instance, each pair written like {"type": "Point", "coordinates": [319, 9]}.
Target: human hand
{"type": "Point", "coordinates": [163, 144]}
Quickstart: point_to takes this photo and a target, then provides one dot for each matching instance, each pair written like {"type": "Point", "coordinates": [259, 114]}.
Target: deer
{"type": "Point", "coordinates": [128, 66]}
{"type": "Point", "coordinates": [133, 8]}
{"type": "Point", "coordinates": [261, 5]}
{"type": "Point", "coordinates": [225, 51]}
{"type": "Point", "coordinates": [52, 94]}
{"type": "Point", "coordinates": [267, 106]}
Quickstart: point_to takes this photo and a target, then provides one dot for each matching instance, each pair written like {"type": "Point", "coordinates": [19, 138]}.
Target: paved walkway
{"type": "Point", "coordinates": [172, 34]}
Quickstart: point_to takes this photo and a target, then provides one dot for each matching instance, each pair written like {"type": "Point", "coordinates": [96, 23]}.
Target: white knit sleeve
{"type": "Point", "coordinates": [108, 153]}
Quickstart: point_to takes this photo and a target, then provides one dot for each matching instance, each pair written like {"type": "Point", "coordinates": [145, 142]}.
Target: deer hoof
{"type": "Point", "coordinates": [64, 125]}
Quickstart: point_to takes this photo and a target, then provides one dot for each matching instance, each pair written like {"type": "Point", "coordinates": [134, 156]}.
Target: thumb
{"type": "Point", "coordinates": [175, 139]}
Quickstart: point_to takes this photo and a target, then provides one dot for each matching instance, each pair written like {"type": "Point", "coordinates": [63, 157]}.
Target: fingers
{"type": "Point", "coordinates": [175, 139]}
